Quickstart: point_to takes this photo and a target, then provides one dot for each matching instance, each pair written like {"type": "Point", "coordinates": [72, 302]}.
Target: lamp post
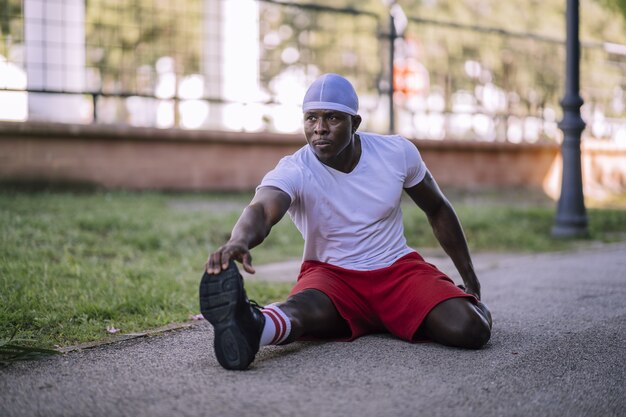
{"type": "Point", "coordinates": [571, 217]}
{"type": "Point", "coordinates": [397, 25]}
{"type": "Point", "coordinates": [392, 40]}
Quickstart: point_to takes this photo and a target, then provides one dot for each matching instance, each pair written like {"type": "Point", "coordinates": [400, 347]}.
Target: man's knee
{"type": "Point", "coordinates": [475, 332]}
{"type": "Point", "coordinates": [309, 305]}
{"type": "Point", "coordinates": [313, 313]}
{"type": "Point", "coordinates": [458, 322]}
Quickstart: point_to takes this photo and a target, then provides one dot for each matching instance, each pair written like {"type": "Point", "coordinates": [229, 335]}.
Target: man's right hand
{"type": "Point", "coordinates": [219, 259]}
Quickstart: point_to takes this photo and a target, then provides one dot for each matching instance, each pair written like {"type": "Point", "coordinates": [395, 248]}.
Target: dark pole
{"type": "Point", "coordinates": [392, 45]}
{"type": "Point", "coordinates": [571, 217]}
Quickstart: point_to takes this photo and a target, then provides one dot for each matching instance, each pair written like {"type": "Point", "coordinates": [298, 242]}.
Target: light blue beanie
{"type": "Point", "coordinates": [331, 92]}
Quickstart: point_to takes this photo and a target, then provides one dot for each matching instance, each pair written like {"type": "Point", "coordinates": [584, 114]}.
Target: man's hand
{"type": "Point", "coordinates": [267, 207]}
{"type": "Point", "coordinates": [219, 259]}
{"type": "Point", "coordinates": [473, 289]}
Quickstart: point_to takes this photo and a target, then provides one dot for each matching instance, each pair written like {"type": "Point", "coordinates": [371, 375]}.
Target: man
{"type": "Point", "coordinates": [342, 190]}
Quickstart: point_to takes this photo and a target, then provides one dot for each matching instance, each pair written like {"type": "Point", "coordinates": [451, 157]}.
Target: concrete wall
{"type": "Point", "coordinates": [145, 158]}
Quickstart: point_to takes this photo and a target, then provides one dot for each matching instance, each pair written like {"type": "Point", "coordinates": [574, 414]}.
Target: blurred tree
{"type": "Point", "coordinates": [10, 25]}
{"type": "Point", "coordinates": [618, 5]}
{"type": "Point", "coordinates": [308, 40]}
{"type": "Point", "coordinates": [126, 38]}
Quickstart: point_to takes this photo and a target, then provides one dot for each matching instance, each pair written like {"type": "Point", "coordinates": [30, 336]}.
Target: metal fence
{"type": "Point", "coordinates": [501, 85]}
{"type": "Point", "coordinates": [244, 65]}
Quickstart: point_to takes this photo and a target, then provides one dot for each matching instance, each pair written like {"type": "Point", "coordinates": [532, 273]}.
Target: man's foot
{"type": "Point", "coordinates": [238, 324]}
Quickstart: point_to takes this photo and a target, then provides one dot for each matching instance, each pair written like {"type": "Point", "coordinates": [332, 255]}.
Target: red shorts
{"type": "Point", "coordinates": [395, 299]}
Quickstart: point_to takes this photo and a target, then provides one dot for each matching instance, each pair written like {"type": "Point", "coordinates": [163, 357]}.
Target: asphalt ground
{"type": "Point", "coordinates": [558, 348]}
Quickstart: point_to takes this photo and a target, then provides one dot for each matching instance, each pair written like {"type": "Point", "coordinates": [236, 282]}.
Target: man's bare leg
{"type": "Point", "coordinates": [312, 313]}
{"type": "Point", "coordinates": [458, 322]}
{"type": "Point", "coordinates": [454, 322]}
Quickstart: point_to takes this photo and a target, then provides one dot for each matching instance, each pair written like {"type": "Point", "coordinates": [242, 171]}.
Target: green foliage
{"type": "Point", "coordinates": [125, 39]}
{"type": "Point", "coordinates": [326, 41]}
{"type": "Point", "coordinates": [530, 71]}
{"type": "Point", "coordinates": [11, 26]}
{"type": "Point", "coordinates": [615, 5]}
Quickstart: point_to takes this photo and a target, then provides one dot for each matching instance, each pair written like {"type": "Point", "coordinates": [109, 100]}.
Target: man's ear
{"type": "Point", "coordinates": [356, 122]}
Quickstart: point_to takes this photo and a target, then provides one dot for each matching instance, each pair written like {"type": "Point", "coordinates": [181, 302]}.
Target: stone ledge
{"type": "Point", "coordinates": [131, 133]}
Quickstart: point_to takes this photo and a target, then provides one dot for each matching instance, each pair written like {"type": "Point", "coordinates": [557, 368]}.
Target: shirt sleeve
{"type": "Point", "coordinates": [415, 166]}
{"type": "Point", "coordinates": [286, 176]}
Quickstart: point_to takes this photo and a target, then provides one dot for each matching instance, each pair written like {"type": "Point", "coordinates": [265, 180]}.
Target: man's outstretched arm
{"type": "Point", "coordinates": [447, 229]}
{"type": "Point", "coordinates": [268, 206]}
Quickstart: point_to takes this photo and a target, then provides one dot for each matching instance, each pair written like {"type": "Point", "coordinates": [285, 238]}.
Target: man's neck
{"type": "Point", "coordinates": [349, 158]}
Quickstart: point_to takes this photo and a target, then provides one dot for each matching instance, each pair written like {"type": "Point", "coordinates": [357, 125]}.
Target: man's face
{"type": "Point", "coordinates": [329, 132]}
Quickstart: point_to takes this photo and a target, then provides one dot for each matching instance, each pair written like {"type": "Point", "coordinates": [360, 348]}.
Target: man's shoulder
{"type": "Point", "coordinates": [296, 162]}
{"type": "Point", "coordinates": [377, 137]}
{"type": "Point", "coordinates": [287, 175]}
{"type": "Point", "coordinates": [390, 142]}
{"type": "Point", "coordinates": [294, 158]}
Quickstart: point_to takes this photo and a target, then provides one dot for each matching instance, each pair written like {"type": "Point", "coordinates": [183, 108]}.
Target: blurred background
{"type": "Point", "coordinates": [159, 94]}
{"type": "Point", "coordinates": [471, 70]}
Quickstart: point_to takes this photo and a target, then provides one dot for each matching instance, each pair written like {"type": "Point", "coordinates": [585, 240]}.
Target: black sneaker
{"type": "Point", "coordinates": [238, 324]}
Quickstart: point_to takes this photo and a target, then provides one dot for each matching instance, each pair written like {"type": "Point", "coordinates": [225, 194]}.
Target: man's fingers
{"type": "Point", "coordinates": [209, 264]}
{"type": "Point", "coordinates": [220, 259]}
{"type": "Point", "coordinates": [214, 266]}
{"type": "Point", "coordinates": [227, 255]}
{"type": "Point", "coordinates": [470, 290]}
{"type": "Point", "coordinates": [224, 260]}
{"type": "Point", "coordinates": [247, 263]}
{"type": "Point", "coordinates": [474, 293]}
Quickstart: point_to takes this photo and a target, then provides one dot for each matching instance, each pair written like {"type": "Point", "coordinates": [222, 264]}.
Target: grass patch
{"type": "Point", "coordinates": [73, 264]}
{"type": "Point", "coordinates": [510, 228]}
{"type": "Point", "coordinates": [13, 350]}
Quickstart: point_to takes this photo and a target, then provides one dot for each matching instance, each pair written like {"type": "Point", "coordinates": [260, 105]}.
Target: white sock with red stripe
{"type": "Point", "coordinates": [277, 326]}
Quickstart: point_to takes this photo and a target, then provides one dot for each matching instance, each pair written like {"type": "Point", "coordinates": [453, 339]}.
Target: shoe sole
{"type": "Point", "coordinates": [218, 303]}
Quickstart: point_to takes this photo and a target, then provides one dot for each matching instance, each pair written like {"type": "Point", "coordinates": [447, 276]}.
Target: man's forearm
{"type": "Point", "coordinates": [252, 228]}
{"type": "Point", "coordinates": [448, 231]}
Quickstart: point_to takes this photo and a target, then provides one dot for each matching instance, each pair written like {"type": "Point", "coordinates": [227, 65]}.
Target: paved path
{"type": "Point", "coordinates": [558, 349]}
{"type": "Point", "coordinates": [287, 271]}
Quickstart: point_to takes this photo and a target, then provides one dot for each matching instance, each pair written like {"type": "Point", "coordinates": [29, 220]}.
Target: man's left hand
{"type": "Point", "coordinates": [473, 289]}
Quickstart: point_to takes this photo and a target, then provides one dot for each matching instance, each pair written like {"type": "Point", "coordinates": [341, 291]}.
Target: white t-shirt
{"type": "Point", "coordinates": [352, 220]}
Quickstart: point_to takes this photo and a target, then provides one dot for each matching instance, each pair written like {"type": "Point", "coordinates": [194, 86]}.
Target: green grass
{"type": "Point", "coordinates": [13, 350]}
{"type": "Point", "coordinates": [507, 228]}
{"type": "Point", "coordinates": [73, 264]}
